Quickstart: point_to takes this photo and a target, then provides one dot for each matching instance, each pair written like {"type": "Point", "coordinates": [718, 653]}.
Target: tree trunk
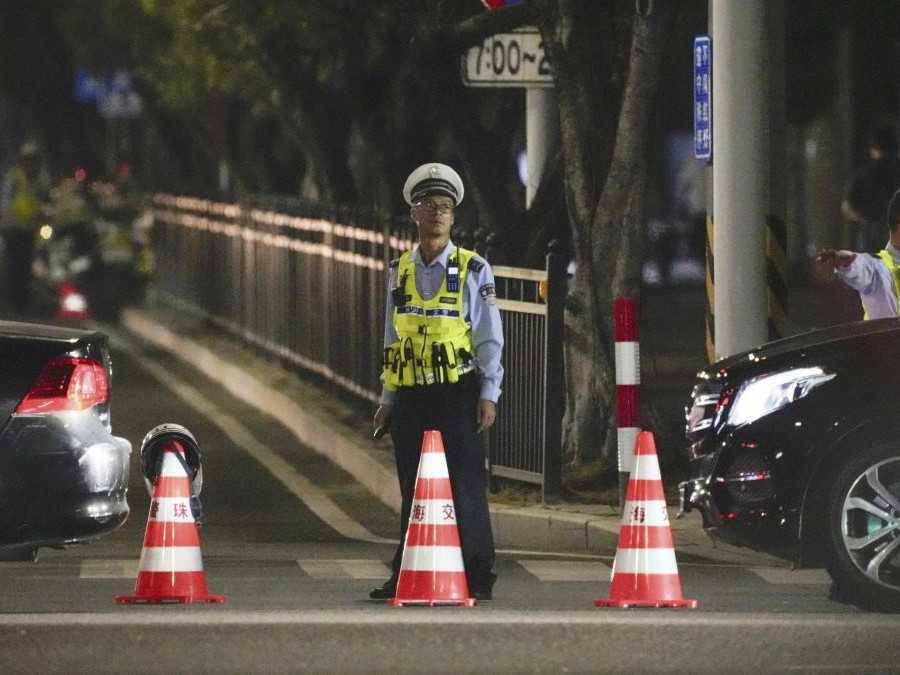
{"type": "Point", "coordinates": [607, 227]}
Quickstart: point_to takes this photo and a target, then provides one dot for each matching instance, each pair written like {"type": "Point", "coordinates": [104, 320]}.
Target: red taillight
{"type": "Point", "coordinates": [68, 383]}
{"type": "Point", "coordinates": [72, 303]}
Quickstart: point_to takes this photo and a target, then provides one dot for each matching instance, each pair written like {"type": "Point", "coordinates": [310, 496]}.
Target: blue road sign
{"type": "Point", "coordinates": [702, 97]}
{"type": "Point", "coordinates": [87, 86]}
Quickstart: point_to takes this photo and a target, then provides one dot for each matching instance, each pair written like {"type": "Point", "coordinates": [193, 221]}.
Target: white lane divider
{"type": "Point", "coordinates": [108, 569]}
{"type": "Point", "coordinates": [363, 568]}
{"type": "Point", "coordinates": [298, 484]}
{"type": "Point", "coordinates": [587, 571]}
{"type": "Point", "coordinates": [565, 570]}
{"type": "Point", "coordinates": [785, 575]}
{"type": "Point", "coordinates": [345, 569]}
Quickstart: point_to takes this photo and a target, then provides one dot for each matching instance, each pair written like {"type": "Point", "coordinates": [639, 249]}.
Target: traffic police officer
{"type": "Point", "coordinates": [22, 196]}
{"type": "Point", "coordinates": [875, 277]}
{"type": "Point", "coordinates": [442, 345]}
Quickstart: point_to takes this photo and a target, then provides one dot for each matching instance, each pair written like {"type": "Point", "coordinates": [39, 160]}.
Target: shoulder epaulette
{"type": "Point", "coordinates": [476, 264]}
{"type": "Point", "coordinates": [394, 263]}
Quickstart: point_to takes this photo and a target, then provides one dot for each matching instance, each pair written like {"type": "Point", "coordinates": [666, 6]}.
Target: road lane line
{"type": "Point", "coordinates": [345, 569]}
{"type": "Point", "coordinates": [447, 616]}
{"type": "Point", "coordinates": [564, 570]}
{"type": "Point", "coordinates": [846, 668]}
{"type": "Point", "coordinates": [378, 478]}
{"type": "Point", "coordinates": [322, 569]}
{"type": "Point", "coordinates": [785, 575]}
{"type": "Point", "coordinates": [108, 569]}
{"type": "Point", "coordinates": [366, 569]}
{"type": "Point", "coordinates": [315, 499]}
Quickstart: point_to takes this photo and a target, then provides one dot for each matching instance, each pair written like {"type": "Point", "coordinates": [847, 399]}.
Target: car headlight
{"type": "Point", "coordinates": [770, 392]}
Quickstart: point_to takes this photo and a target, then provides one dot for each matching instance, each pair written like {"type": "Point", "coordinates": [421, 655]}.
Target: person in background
{"type": "Point", "coordinates": [22, 198]}
{"type": "Point", "coordinates": [870, 189]}
{"type": "Point", "coordinates": [443, 341]}
{"type": "Point", "coordinates": [875, 277]}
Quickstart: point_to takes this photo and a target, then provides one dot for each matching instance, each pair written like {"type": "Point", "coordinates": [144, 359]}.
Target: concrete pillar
{"type": "Point", "coordinates": [740, 173]}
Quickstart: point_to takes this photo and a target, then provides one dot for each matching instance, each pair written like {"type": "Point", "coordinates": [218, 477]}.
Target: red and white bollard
{"type": "Point", "coordinates": [628, 380]}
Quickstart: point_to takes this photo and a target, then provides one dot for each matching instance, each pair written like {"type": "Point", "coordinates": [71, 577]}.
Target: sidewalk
{"type": "Point", "coordinates": [329, 426]}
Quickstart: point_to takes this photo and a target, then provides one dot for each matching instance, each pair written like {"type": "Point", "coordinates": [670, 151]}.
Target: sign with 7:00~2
{"type": "Point", "coordinates": [508, 60]}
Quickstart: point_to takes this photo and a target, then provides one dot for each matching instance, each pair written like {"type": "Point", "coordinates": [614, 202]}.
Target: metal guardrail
{"type": "Point", "coordinates": [311, 290]}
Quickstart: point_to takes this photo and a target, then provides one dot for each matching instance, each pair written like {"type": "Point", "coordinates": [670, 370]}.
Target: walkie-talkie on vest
{"type": "Point", "coordinates": [398, 294]}
{"type": "Point", "coordinates": [453, 273]}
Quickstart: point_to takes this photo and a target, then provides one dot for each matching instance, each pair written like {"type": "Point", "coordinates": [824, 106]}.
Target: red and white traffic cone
{"type": "Point", "coordinates": [171, 567]}
{"type": "Point", "coordinates": [432, 570]}
{"type": "Point", "coordinates": [645, 573]}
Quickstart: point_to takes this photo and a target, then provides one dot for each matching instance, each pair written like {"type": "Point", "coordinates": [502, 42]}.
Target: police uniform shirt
{"type": "Point", "coordinates": [479, 307]}
{"type": "Point", "coordinates": [871, 278]}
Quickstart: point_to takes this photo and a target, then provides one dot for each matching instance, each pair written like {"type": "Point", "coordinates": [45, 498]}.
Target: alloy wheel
{"type": "Point", "coordinates": [870, 523]}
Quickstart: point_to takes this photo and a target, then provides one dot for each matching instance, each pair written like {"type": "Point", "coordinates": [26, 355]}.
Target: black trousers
{"type": "Point", "coordinates": [450, 409]}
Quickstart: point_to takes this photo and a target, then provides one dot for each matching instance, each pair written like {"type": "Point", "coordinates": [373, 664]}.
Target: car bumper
{"type": "Point", "coordinates": [737, 499]}
{"type": "Point", "coordinates": [96, 505]}
{"type": "Point", "coordinates": [67, 488]}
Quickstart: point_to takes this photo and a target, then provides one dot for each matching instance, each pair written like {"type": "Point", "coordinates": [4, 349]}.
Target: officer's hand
{"type": "Point", "coordinates": [826, 262]}
{"type": "Point", "coordinates": [828, 257]}
{"type": "Point", "coordinates": [486, 414]}
{"type": "Point", "coordinates": [382, 419]}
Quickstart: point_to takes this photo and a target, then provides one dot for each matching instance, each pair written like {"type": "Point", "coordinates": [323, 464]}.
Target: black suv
{"type": "Point", "coordinates": [795, 446]}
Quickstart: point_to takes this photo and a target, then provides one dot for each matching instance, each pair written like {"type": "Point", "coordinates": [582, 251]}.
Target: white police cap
{"type": "Point", "coordinates": [433, 179]}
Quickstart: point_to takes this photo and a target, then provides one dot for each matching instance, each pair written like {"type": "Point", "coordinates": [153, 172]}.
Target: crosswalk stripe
{"type": "Point", "coordinates": [543, 570]}
{"type": "Point", "coordinates": [366, 569]}
{"type": "Point", "coordinates": [108, 569]}
{"type": "Point", "coordinates": [784, 575]}
{"type": "Point", "coordinates": [565, 570]}
{"type": "Point", "coordinates": [345, 569]}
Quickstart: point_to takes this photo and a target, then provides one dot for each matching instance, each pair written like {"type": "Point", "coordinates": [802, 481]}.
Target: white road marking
{"type": "Point", "coordinates": [785, 575]}
{"type": "Point", "coordinates": [345, 569]}
{"type": "Point", "coordinates": [565, 570]}
{"type": "Point", "coordinates": [563, 567]}
{"type": "Point", "coordinates": [554, 554]}
{"type": "Point", "coordinates": [322, 569]}
{"type": "Point", "coordinates": [446, 616]}
{"type": "Point", "coordinates": [108, 569]}
{"type": "Point", "coordinates": [846, 667]}
{"type": "Point", "coordinates": [303, 488]}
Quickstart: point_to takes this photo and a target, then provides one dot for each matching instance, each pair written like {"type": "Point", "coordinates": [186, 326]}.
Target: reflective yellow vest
{"type": "Point", "coordinates": [895, 274]}
{"type": "Point", "coordinates": [25, 207]}
{"type": "Point", "coordinates": [434, 338]}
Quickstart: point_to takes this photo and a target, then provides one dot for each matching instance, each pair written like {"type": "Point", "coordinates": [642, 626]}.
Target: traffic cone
{"type": "Point", "coordinates": [171, 567]}
{"type": "Point", "coordinates": [432, 570]}
{"type": "Point", "coordinates": [645, 573]}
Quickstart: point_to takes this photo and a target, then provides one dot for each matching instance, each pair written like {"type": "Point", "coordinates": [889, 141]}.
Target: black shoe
{"type": "Point", "coordinates": [384, 592]}
{"type": "Point", "coordinates": [482, 594]}
{"type": "Point", "coordinates": [482, 589]}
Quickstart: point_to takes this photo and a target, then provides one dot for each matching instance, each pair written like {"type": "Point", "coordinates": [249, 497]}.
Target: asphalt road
{"type": "Point", "coordinates": [296, 545]}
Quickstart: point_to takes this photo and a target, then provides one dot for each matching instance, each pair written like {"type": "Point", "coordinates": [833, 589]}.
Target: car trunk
{"type": "Point", "coordinates": [26, 348]}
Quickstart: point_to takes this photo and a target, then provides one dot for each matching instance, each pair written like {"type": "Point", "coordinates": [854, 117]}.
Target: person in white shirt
{"type": "Point", "coordinates": [875, 277]}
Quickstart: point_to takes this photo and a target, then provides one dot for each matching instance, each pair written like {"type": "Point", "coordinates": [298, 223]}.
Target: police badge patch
{"type": "Point", "coordinates": [488, 293]}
